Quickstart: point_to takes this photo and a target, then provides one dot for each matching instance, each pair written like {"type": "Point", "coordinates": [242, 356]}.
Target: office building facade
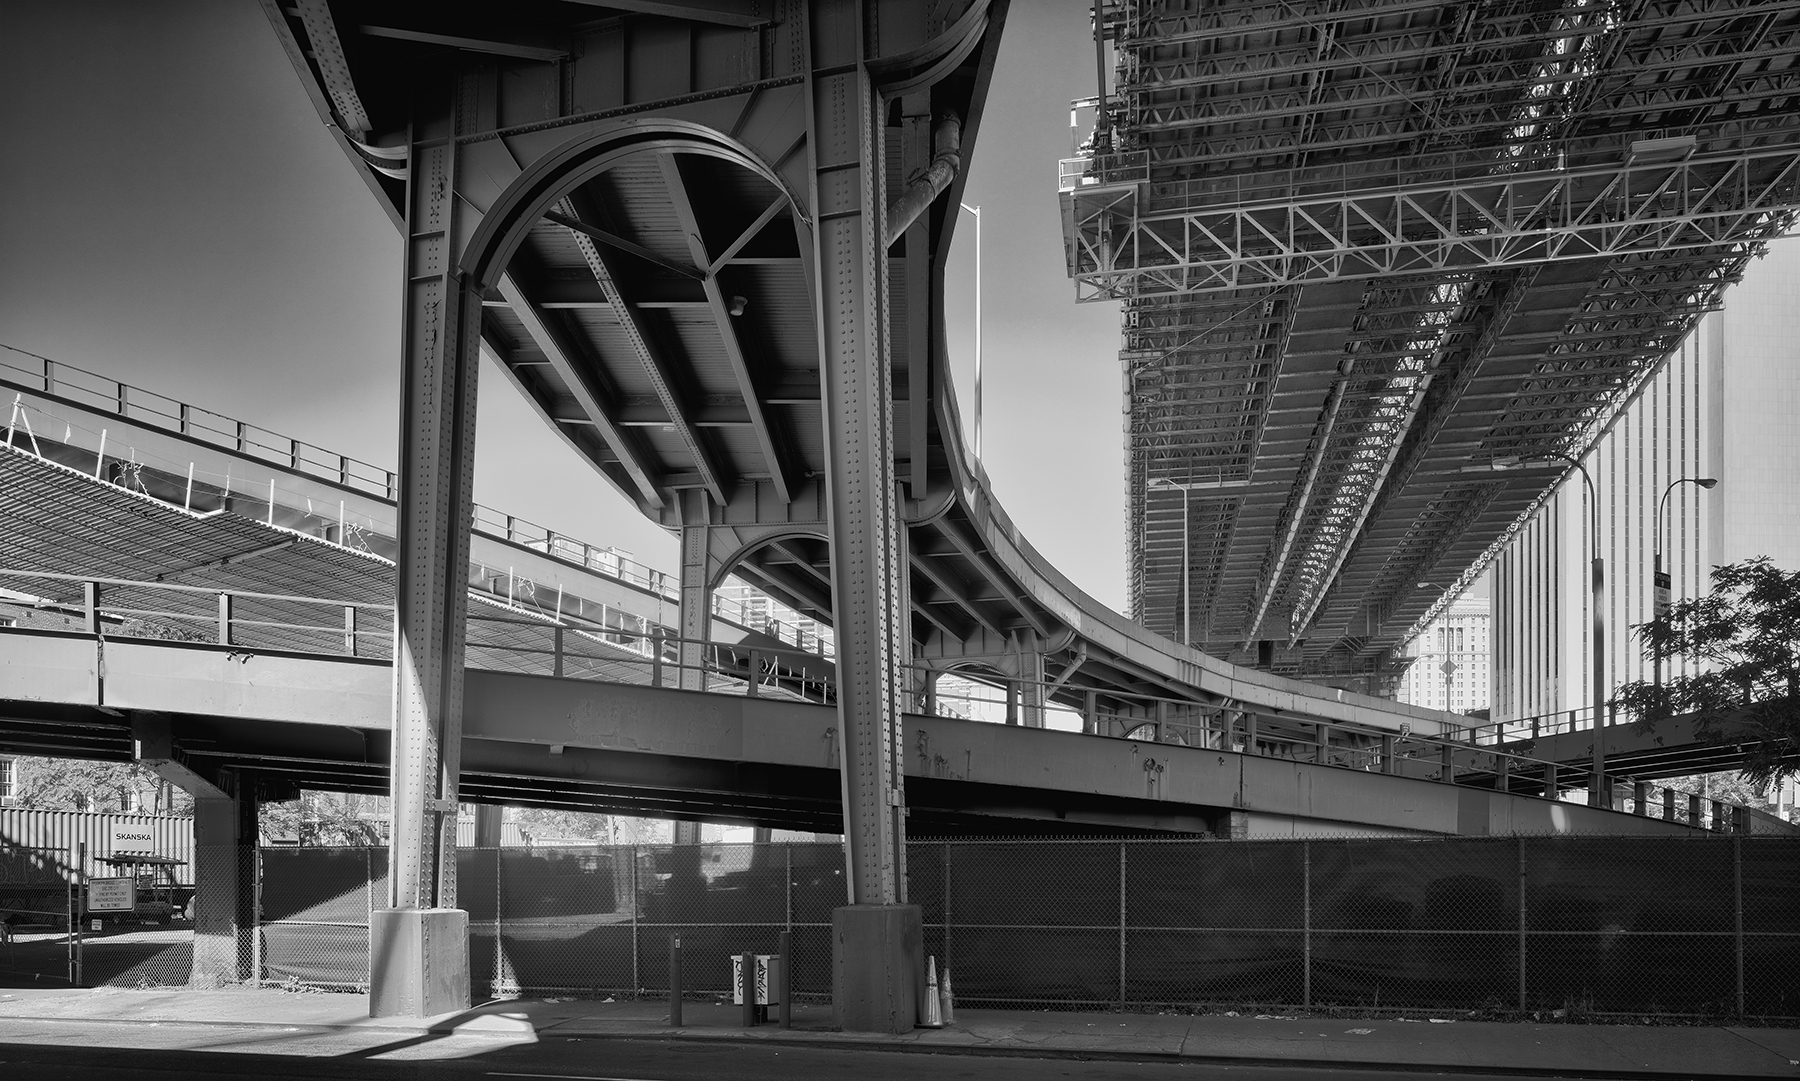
{"type": "Point", "coordinates": [1451, 658]}
{"type": "Point", "coordinates": [1724, 406]}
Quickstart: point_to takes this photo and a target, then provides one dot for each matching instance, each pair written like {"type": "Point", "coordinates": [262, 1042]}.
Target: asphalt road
{"type": "Point", "coordinates": [67, 1051]}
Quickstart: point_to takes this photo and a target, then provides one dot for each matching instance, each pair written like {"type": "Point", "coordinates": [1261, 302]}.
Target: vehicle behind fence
{"type": "Point", "coordinates": [1700, 926]}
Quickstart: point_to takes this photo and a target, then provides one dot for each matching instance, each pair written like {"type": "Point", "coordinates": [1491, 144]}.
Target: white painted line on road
{"type": "Point", "coordinates": [570, 1076]}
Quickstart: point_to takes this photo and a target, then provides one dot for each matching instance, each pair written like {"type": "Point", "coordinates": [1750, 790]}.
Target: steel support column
{"type": "Point", "coordinates": [873, 985]}
{"type": "Point", "coordinates": [852, 303]}
{"type": "Point", "coordinates": [419, 951]}
{"type": "Point", "coordinates": [696, 589]}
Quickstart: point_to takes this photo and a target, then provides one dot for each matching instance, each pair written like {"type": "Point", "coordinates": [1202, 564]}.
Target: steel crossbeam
{"type": "Point", "coordinates": [1524, 219]}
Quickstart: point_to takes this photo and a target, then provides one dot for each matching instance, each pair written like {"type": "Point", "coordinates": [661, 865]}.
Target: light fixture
{"type": "Point", "coordinates": [1708, 482]}
{"type": "Point", "coordinates": [738, 304]}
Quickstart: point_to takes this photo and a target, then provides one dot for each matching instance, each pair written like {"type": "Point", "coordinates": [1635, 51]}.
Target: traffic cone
{"type": "Point", "coordinates": [948, 996]}
{"type": "Point", "coordinates": [934, 1015]}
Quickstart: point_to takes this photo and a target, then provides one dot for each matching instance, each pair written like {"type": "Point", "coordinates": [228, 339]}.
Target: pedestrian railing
{"type": "Point", "coordinates": [272, 498]}
{"type": "Point", "coordinates": [508, 638]}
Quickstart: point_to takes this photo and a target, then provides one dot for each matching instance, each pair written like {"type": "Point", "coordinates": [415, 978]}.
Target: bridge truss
{"type": "Point", "coordinates": [1366, 247]}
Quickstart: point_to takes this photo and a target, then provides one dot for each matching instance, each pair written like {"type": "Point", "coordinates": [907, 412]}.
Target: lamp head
{"type": "Point", "coordinates": [1708, 482]}
{"type": "Point", "coordinates": [1505, 462]}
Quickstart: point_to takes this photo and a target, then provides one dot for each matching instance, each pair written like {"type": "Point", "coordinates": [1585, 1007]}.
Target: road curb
{"type": "Point", "coordinates": [822, 1042]}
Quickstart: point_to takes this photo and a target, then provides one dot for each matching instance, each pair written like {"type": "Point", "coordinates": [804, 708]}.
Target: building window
{"type": "Point", "coordinates": [6, 782]}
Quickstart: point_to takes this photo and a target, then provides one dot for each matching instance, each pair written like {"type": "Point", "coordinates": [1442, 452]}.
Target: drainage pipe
{"type": "Point", "coordinates": [927, 186]}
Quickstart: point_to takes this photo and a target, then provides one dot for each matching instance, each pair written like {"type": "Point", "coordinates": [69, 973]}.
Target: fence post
{"type": "Point", "coordinates": [1306, 923]}
{"type": "Point", "coordinates": [946, 906]}
{"type": "Point", "coordinates": [256, 945]}
{"type": "Point", "coordinates": [1522, 997]}
{"type": "Point", "coordinates": [1737, 890]}
{"type": "Point", "coordinates": [350, 630]}
{"type": "Point", "coordinates": [1122, 996]}
{"type": "Point", "coordinates": [785, 994]}
{"type": "Point", "coordinates": [557, 665]}
{"type": "Point", "coordinates": [637, 980]}
{"type": "Point", "coordinates": [675, 980]}
{"type": "Point", "coordinates": [499, 951]}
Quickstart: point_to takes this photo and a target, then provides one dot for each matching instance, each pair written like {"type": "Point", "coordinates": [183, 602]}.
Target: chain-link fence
{"type": "Point", "coordinates": [125, 921]}
{"type": "Point", "coordinates": [1668, 926]}
{"type": "Point", "coordinates": [1701, 926]}
{"type": "Point", "coordinates": [589, 920]}
{"type": "Point", "coordinates": [1596, 925]}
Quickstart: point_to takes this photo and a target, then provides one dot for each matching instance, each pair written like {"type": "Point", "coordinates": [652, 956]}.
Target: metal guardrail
{"type": "Point", "coordinates": [573, 649]}
{"type": "Point", "coordinates": [101, 394]}
{"type": "Point", "coordinates": [1131, 167]}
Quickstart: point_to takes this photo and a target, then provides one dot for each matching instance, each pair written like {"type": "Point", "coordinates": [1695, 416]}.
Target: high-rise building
{"type": "Point", "coordinates": [1722, 406]}
{"type": "Point", "coordinates": [1451, 667]}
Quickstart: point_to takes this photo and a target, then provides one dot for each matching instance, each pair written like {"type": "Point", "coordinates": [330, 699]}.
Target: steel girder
{"type": "Point", "coordinates": [1541, 196]}
{"type": "Point", "coordinates": [1452, 226]}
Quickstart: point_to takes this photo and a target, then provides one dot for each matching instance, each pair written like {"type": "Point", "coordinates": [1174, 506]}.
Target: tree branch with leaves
{"type": "Point", "coordinates": [1741, 682]}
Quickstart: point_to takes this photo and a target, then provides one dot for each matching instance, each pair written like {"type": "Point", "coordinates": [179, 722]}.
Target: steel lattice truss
{"type": "Point", "coordinates": [1366, 247]}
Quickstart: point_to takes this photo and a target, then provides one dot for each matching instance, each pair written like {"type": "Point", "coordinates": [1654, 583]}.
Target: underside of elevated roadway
{"type": "Point", "coordinates": [1364, 249]}
{"type": "Point", "coordinates": [324, 722]}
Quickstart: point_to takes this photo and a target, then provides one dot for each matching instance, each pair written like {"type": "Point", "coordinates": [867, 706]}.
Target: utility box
{"type": "Point", "coordinates": [767, 977]}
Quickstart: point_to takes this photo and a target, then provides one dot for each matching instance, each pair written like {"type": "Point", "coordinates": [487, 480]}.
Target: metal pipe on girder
{"type": "Point", "coordinates": [924, 189]}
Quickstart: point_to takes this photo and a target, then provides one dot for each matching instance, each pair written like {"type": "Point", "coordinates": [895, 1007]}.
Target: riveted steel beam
{"type": "Point", "coordinates": [664, 377]}
{"type": "Point", "coordinates": [766, 436]}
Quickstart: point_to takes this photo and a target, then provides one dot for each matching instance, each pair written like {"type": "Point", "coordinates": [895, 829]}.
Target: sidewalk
{"type": "Point", "coordinates": [1611, 1051]}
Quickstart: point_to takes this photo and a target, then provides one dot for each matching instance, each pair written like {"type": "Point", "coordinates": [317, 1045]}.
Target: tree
{"type": "Point", "coordinates": [72, 784]}
{"type": "Point", "coordinates": [1742, 642]}
{"type": "Point", "coordinates": [326, 819]}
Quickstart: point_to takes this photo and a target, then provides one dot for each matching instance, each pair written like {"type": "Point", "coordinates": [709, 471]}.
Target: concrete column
{"type": "Point", "coordinates": [877, 939]}
{"type": "Point", "coordinates": [696, 589]}
{"type": "Point", "coordinates": [1696, 817]}
{"type": "Point", "coordinates": [419, 939]}
{"type": "Point", "coordinates": [1388, 765]}
{"type": "Point", "coordinates": [1090, 712]}
{"type": "Point", "coordinates": [1640, 797]}
{"type": "Point", "coordinates": [489, 823]}
{"type": "Point", "coordinates": [1249, 733]}
{"type": "Point", "coordinates": [1012, 701]}
{"type": "Point", "coordinates": [1322, 746]}
{"type": "Point", "coordinates": [224, 905]}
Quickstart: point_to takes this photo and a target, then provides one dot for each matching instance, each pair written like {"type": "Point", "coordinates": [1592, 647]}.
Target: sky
{"type": "Point", "coordinates": [173, 215]}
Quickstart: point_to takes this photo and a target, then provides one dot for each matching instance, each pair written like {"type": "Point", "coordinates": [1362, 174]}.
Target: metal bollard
{"type": "Point", "coordinates": [784, 1003]}
{"type": "Point", "coordinates": [675, 981]}
{"type": "Point", "coordinates": [748, 974]}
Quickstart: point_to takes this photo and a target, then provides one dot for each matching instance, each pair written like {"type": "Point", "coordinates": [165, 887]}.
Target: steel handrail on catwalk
{"type": "Point", "coordinates": [92, 392]}
{"type": "Point", "coordinates": [572, 650]}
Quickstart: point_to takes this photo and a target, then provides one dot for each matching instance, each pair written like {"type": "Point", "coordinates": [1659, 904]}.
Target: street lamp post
{"type": "Point", "coordinates": [976, 210]}
{"type": "Point", "coordinates": [1661, 584]}
{"type": "Point", "coordinates": [1599, 791]}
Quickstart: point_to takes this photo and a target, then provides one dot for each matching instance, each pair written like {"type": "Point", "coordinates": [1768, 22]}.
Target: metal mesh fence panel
{"type": "Point", "coordinates": [1214, 922]}
{"type": "Point", "coordinates": [315, 914]}
{"type": "Point", "coordinates": [562, 926]}
{"type": "Point", "coordinates": [1700, 926]}
{"type": "Point", "coordinates": [1023, 922]}
{"type": "Point", "coordinates": [1618, 924]}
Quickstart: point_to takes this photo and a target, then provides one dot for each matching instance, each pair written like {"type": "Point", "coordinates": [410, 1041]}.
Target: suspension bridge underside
{"type": "Point", "coordinates": [1364, 249]}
